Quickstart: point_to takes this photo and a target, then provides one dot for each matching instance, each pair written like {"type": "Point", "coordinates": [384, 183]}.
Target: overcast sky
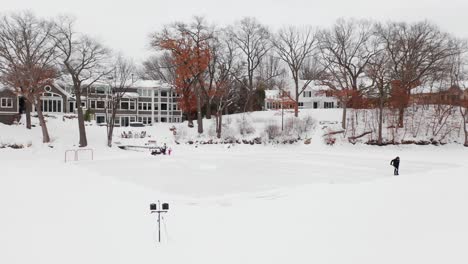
{"type": "Point", "coordinates": [125, 25]}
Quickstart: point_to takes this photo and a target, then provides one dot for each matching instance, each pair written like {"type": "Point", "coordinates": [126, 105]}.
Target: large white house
{"type": "Point", "coordinates": [146, 101]}
{"type": "Point", "coordinates": [314, 96]}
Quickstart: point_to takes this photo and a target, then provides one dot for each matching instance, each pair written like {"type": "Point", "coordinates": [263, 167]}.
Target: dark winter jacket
{"type": "Point", "coordinates": [395, 162]}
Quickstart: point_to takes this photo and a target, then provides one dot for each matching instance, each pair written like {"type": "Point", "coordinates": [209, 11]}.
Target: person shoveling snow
{"type": "Point", "coordinates": [396, 164]}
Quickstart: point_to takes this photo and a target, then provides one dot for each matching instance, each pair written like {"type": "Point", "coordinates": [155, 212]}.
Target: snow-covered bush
{"type": "Point", "coordinates": [228, 132]}
{"type": "Point", "coordinates": [299, 127]}
{"type": "Point", "coordinates": [181, 133]}
{"type": "Point", "coordinates": [245, 126]}
{"type": "Point", "coordinates": [272, 131]}
{"type": "Point", "coordinates": [212, 129]}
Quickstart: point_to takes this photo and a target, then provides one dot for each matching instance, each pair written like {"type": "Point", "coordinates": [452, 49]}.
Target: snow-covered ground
{"type": "Point", "coordinates": [230, 204]}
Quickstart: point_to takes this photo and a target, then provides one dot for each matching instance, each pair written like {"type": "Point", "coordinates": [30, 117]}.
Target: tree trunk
{"type": "Point", "coordinates": [219, 123]}
{"type": "Point", "coordinates": [42, 122]}
{"type": "Point", "coordinates": [401, 116]}
{"type": "Point", "coordinates": [296, 107]}
{"type": "Point", "coordinates": [466, 135]}
{"type": "Point", "coordinates": [208, 109]}
{"type": "Point", "coordinates": [464, 114]}
{"type": "Point", "coordinates": [251, 92]}
{"type": "Point", "coordinates": [250, 103]}
{"type": "Point", "coordinates": [189, 119]}
{"type": "Point", "coordinates": [28, 114]}
{"type": "Point", "coordinates": [343, 118]}
{"type": "Point", "coordinates": [379, 140]}
{"type": "Point", "coordinates": [199, 111]}
{"type": "Point", "coordinates": [247, 104]}
{"type": "Point", "coordinates": [81, 124]}
{"type": "Point", "coordinates": [110, 128]}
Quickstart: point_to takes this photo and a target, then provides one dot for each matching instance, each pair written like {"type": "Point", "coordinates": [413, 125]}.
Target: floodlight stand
{"type": "Point", "coordinates": [159, 212]}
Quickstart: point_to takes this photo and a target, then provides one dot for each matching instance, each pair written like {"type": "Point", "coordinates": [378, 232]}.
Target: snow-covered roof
{"type": "Point", "coordinates": [151, 84]}
{"type": "Point", "coordinates": [4, 87]}
{"type": "Point", "coordinates": [131, 95]}
{"type": "Point", "coordinates": [58, 87]}
{"type": "Point", "coordinates": [289, 86]}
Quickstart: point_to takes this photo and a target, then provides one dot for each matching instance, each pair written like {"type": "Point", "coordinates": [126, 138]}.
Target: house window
{"type": "Point", "coordinates": [100, 119]}
{"type": "Point", "coordinates": [307, 94]}
{"type": "Point", "coordinates": [144, 106]}
{"type": "Point", "coordinates": [300, 104]}
{"type": "Point", "coordinates": [127, 105]}
{"type": "Point", "coordinates": [163, 94]}
{"type": "Point", "coordinates": [174, 107]}
{"type": "Point", "coordinates": [145, 120]}
{"type": "Point", "coordinates": [329, 105]}
{"type": "Point", "coordinates": [100, 104]}
{"type": "Point", "coordinates": [51, 105]}
{"type": "Point", "coordinates": [163, 106]}
{"type": "Point", "coordinates": [7, 103]}
{"type": "Point", "coordinates": [124, 105]}
{"type": "Point", "coordinates": [144, 92]}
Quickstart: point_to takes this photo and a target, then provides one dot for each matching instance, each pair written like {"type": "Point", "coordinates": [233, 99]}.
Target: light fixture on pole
{"type": "Point", "coordinates": [159, 209]}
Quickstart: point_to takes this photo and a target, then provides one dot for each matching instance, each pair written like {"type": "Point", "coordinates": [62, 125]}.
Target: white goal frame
{"type": "Point", "coordinates": [76, 155]}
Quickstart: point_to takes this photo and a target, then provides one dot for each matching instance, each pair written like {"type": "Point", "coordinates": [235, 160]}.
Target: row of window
{"type": "Point", "coordinates": [308, 94]}
{"type": "Point", "coordinates": [126, 120]}
{"type": "Point", "coordinates": [329, 105]}
{"type": "Point", "coordinates": [130, 105]}
{"type": "Point", "coordinates": [146, 106]}
{"type": "Point", "coordinates": [147, 93]}
{"type": "Point", "coordinates": [277, 105]}
{"type": "Point", "coordinates": [6, 102]}
{"type": "Point", "coordinates": [147, 119]}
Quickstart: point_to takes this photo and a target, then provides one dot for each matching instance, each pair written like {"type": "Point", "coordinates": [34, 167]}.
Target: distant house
{"type": "Point", "coordinates": [451, 96]}
{"type": "Point", "coordinates": [9, 106]}
{"type": "Point", "coordinates": [145, 101]}
{"type": "Point", "coordinates": [314, 96]}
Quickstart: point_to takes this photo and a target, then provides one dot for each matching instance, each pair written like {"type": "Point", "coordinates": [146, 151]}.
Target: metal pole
{"type": "Point", "coordinates": [159, 227]}
{"type": "Point", "coordinates": [282, 117]}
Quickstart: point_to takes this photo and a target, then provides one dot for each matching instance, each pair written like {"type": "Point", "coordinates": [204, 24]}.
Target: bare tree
{"type": "Point", "coordinates": [225, 84]}
{"type": "Point", "coordinates": [119, 81]}
{"type": "Point", "coordinates": [378, 71]}
{"type": "Point", "coordinates": [270, 72]}
{"type": "Point", "coordinates": [253, 40]}
{"type": "Point", "coordinates": [27, 53]}
{"type": "Point", "coordinates": [295, 46]}
{"type": "Point", "coordinates": [84, 60]}
{"type": "Point", "coordinates": [417, 53]}
{"type": "Point", "coordinates": [159, 68]}
{"type": "Point", "coordinates": [346, 51]}
{"type": "Point", "coordinates": [457, 73]}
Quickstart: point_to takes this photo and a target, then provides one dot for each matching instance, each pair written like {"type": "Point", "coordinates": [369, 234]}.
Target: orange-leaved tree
{"type": "Point", "coordinates": [191, 56]}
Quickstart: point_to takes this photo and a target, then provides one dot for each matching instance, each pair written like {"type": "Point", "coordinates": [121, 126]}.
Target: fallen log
{"type": "Point", "coordinates": [333, 133]}
{"type": "Point", "coordinates": [353, 139]}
